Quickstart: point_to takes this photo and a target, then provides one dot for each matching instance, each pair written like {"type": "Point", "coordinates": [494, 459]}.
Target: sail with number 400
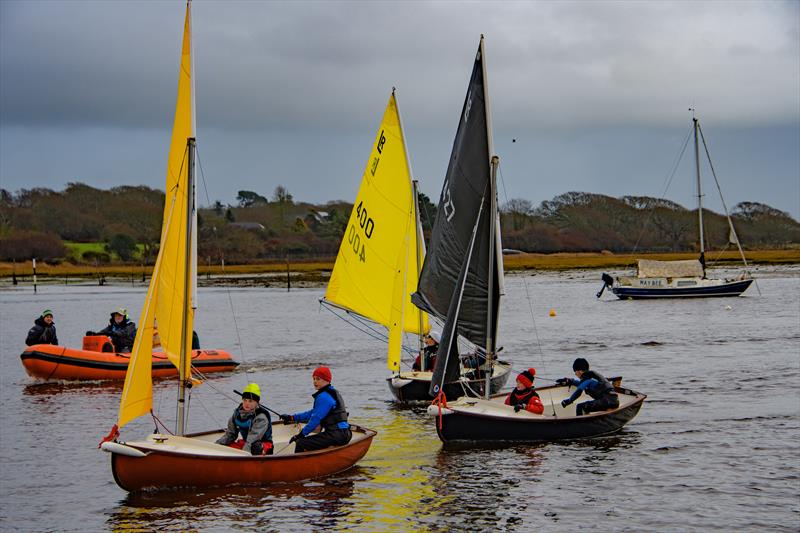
{"type": "Point", "coordinates": [378, 260]}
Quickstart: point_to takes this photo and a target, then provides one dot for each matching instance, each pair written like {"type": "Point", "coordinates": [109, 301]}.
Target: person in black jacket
{"type": "Point", "coordinates": [592, 383]}
{"type": "Point", "coordinates": [431, 341]}
{"type": "Point", "coordinates": [121, 330]}
{"type": "Point", "coordinates": [43, 330]}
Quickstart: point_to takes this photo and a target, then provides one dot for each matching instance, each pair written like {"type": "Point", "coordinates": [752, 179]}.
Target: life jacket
{"type": "Point", "coordinates": [335, 415]}
{"type": "Point", "coordinates": [244, 424]}
{"type": "Point", "coordinates": [599, 389]}
{"type": "Point", "coordinates": [522, 397]}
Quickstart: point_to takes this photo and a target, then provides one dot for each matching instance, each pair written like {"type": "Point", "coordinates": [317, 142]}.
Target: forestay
{"type": "Point", "coordinates": [376, 267]}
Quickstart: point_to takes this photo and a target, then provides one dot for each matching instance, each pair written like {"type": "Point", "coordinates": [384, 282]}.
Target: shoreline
{"type": "Point", "coordinates": [316, 273]}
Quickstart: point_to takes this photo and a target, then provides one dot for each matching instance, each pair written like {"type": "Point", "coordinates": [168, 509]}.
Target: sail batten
{"type": "Point", "coordinates": [374, 273]}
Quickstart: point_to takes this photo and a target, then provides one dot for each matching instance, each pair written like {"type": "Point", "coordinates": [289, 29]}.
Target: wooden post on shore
{"type": "Point", "coordinates": [13, 271]}
{"type": "Point", "coordinates": [288, 278]}
{"type": "Point", "coordinates": [34, 275]}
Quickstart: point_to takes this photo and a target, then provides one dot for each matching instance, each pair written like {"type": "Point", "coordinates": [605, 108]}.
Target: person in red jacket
{"type": "Point", "coordinates": [524, 396]}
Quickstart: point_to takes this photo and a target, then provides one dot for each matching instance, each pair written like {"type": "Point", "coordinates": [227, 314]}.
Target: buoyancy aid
{"type": "Point", "coordinates": [244, 424]}
{"type": "Point", "coordinates": [600, 388]}
{"type": "Point", "coordinates": [523, 396]}
{"type": "Point", "coordinates": [337, 414]}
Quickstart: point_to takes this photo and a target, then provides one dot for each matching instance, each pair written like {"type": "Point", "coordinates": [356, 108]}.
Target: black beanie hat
{"type": "Point", "coordinates": [580, 364]}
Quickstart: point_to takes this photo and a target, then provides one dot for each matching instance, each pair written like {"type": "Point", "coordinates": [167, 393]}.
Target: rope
{"type": "Point", "coordinates": [668, 182]}
{"type": "Point", "coordinates": [222, 264]}
{"type": "Point", "coordinates": [364, 326]}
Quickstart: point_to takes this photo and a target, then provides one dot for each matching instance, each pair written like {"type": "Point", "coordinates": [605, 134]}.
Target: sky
{"type": "Point", "coordinates": [585, 96]}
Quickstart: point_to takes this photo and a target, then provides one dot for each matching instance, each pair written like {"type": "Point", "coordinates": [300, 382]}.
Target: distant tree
{"type": "Point", "coordinates": [427, 211]}
{"type": "Point", "coordinates": [219, 209]}
{"type": "Point", "coordinates": [22, 245]}
{"type": "Point", "coordinates": [123, 245]}
{"type": "Point", "coordinates": [282, 195]}
{"type": "Point", "coordinates": [248, 198]}
{"type": "Point", "coordinates": [229, 215]}
{"type": "Point", "coordinates": [519, 211]}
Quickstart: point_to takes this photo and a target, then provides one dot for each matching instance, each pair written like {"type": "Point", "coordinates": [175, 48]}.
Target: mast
{"type": "Point", "coordinates": [187, 286]}
{"type": "Point", "coordinates": [490, 340]}
{"type": "Point", "coordinates": [699, 194]}
{"type": "Point", "coordinates": [494, 161]}
{"type": "Point", "coordinates": [420, 244]}
{"type": "Point", "coordinates": [420, 250]}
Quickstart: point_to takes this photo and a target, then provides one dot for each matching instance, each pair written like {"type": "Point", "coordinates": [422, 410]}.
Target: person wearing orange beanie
{"type": "Point", "coordinates": [524, 396]}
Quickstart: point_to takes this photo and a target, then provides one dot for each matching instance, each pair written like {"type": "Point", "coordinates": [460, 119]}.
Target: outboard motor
{"type": "Point", "coordinates": [608, 281]}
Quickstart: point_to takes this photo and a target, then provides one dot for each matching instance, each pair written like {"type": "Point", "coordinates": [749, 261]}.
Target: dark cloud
{"type": "Point", "coordinates": [310, 79]}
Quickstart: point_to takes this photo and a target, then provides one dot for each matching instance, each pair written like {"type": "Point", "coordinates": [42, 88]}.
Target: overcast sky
{"type": "Point", "coordinates": [585, 96]}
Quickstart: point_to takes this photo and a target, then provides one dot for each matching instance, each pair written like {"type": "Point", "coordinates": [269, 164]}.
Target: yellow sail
{"type": "Point", "coordinates": [376, 267]}
{"type": "Point", "coordinates": [169, 296]}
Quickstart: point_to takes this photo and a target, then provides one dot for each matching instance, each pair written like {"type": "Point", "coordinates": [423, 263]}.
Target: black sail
{"type": "Point", "coordinates": [464, 209]}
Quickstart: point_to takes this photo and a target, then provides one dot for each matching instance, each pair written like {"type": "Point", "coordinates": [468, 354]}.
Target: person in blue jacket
{"type": "Point", "coordinates": [329, 414]}
{"type": "Point", "coordinates": [593, 384]}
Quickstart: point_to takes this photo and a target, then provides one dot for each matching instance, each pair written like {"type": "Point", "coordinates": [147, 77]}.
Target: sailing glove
{"type": "Point", "coordinates": [519, 407]}
{"type": "Point", "coordinates": [565, 402]}
{"type": "Point", "coordinates": [563, 381]}
{"type": "Point", "coordinates": [295, 437]}
{"type": "Point", "coordinates": [90, 333]}
{"type": "Point", "coordinates": [286, 418]}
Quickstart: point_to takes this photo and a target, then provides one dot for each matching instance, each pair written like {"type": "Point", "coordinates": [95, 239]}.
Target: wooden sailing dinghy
{"type": "Point", "coordinates": [481, 420]}
{"type": "Point", "coordinates": [380, 257]}
{"type": "Point", "coordinates": [168, 461]}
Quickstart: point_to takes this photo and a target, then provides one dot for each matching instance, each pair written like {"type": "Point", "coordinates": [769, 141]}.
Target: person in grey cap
{"type": "Point", "coordinates": [121, 330]}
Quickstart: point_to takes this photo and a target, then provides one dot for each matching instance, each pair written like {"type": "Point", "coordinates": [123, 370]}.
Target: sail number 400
{"type": "Point", "coordinates": [367, 224]}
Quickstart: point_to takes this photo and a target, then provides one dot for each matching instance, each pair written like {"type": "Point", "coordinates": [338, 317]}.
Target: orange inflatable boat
{"type": "Point", "coordinates": [97, 361]}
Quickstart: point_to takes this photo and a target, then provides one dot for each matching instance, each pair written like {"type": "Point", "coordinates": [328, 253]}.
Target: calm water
{"type": "Point", "coordinates": [715, 446]}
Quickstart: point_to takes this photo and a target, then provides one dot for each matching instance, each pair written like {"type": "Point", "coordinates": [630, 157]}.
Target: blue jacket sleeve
{"type": "Point", "coordinates": [582, 386]}
{"type": "Point", "coordinates": [322, 406]}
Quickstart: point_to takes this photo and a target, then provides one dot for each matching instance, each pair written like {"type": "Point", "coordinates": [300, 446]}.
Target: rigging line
{"type": "Point", "coordinates": [209, 413]}
{"type": "Point", "coordinates": [725, 206]}
{"type": "Point", "coordinates": [538, 340]}
{"type": "Point", "coordinates": [219, 251]}
{"type": "Point", "coordinates": [363, 326]}
{"type": "Point", "coordinates": [667, 183]}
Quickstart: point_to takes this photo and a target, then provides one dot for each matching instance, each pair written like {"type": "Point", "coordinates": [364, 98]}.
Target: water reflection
{"type": "Point", "coordinates": [45, 389]}
{"type": "Point", "coordinates": [267, 508]}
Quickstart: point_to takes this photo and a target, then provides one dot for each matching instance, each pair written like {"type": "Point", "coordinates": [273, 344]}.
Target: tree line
{"type": "Point", "coordinates": [124, 223]}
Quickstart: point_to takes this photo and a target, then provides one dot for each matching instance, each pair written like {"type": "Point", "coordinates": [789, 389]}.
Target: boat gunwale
{"type": "Point", "coordinates": [369, 434]}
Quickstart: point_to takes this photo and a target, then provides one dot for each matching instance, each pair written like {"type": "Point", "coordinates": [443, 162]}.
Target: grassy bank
{"type": "Point", "coordinates": [557, 261]}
